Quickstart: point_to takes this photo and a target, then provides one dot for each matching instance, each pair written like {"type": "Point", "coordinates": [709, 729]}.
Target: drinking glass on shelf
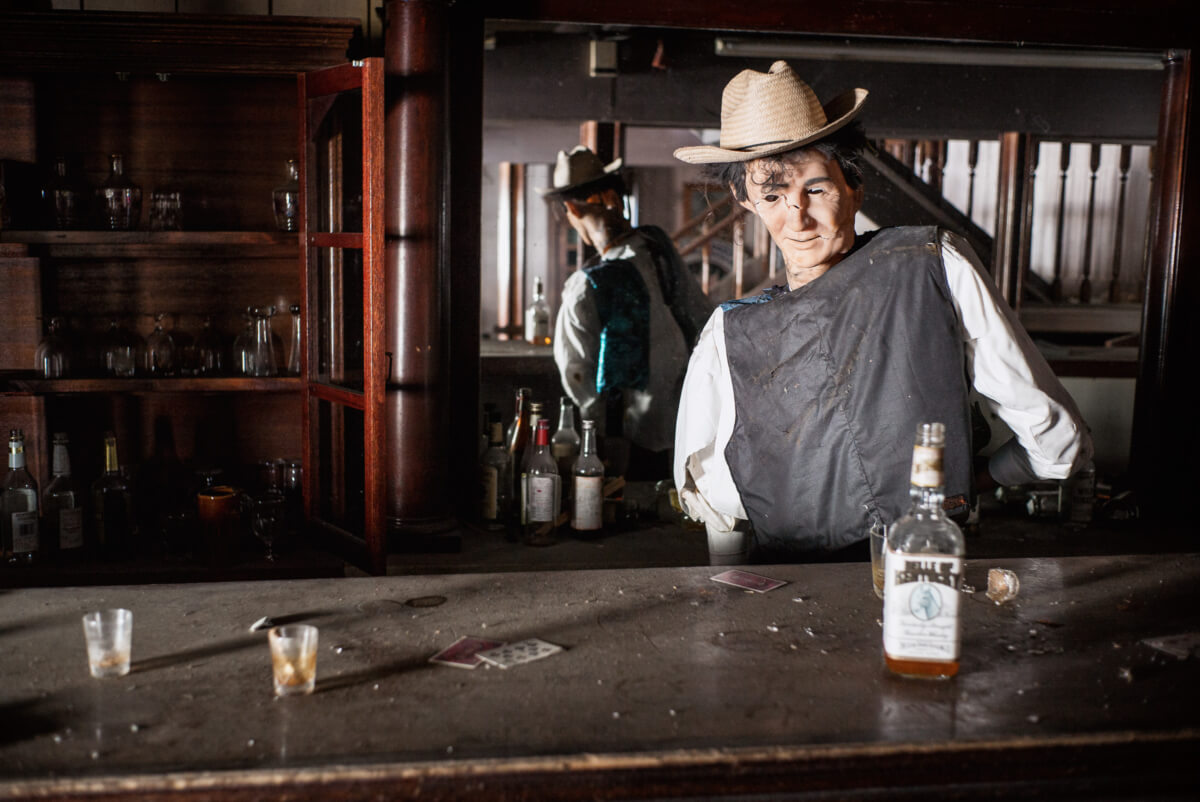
{"type": "Point", "coordinates": [120, 199]}
{"type": "Point", "coordinates": [120, 350]}
{"type": "Point", "coordinates": [160, 350]}
{"type": "Point", "coordinates": [210, 349]}
{"type": "Point", "coordinates": [287, 199]}
{"type": "Point", "coordinates": [243, 357]}
{"type": "Point", "coordinates": [166, 210]}
{"type": "Point", "coordinates": [52, 359]}
{"type": "Point", "coordinates": [65, 196]}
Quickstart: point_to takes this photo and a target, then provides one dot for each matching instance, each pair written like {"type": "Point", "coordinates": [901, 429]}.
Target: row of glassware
{"type": "Point", "coordinates": [121, 352]}
{"type": "Point", "coordinates": [117, 203]}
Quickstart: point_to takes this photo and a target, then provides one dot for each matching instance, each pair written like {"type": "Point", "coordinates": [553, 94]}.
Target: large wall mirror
{"type": "Point", "coordinates": [947, 119]}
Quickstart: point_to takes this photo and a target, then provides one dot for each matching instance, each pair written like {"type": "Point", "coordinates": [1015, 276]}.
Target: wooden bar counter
{"type": "Point", "coordinates": [669, 685]}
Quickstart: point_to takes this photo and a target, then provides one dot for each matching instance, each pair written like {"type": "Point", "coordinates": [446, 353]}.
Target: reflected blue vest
{"type": "Point", "coordinates": [829, 383]}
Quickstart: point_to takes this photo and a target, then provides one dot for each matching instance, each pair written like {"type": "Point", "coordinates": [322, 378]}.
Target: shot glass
{"type": "Point", "coordinates": [294, 658]}
{"type": "Point", "coordinates": [109, 636]}
{"type": "Point", "coordinates": [878, 546]}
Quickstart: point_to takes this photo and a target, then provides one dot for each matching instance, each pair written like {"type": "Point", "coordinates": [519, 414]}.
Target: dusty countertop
{"type": "Point", "coordinates": [663, 669]}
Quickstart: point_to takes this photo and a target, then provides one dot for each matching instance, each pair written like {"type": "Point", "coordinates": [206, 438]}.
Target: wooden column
{"type": "Point", "coordinates": [1165, 434]}
{"type": "Point", "coordinates": [606, 140]}
{"type": "Point", "coordinates": [417, 338]}
{"type": "Point", "coordinates": [1010, 257]}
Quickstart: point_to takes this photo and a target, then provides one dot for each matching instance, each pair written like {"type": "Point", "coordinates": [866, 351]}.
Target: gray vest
{"type": "Point", "coordinates": [829, 384]}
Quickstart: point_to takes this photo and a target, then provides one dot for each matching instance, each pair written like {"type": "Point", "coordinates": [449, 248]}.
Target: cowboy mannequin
{"type": "Point", "coordinates": [628, 318]}
{"type": "Point", "coordinates": [795, 424]}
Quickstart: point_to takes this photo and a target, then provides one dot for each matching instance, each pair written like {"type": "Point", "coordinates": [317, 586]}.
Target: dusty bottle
{"type": "Point", "coordinates": [587, 480]}
{"type": "Point", "coordinates": [62, 508]}
{"type": "Point", "coordinates": [19, 539]}
{"type": "Point", "coordinates": [522, 469]}
{"type": "Point", "coordinates": [119, 199]}
{"type": "Point", "coordinates": [564, 445]}
{"type": "Point", "coordinates": [924, 571]}
{"type": "Point", "coordinates": [495, 473]}
{"type": "Point", "coordinates": [537, 316]}
{"type": "Point", "coordinates": [542, 490]}
{"type": "Point", "coordinates": [114, 522]}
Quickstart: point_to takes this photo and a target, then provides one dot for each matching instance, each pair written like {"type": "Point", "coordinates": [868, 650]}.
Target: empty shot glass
{"type": "Point", "coordinates": [109, 636]}
{"type": "Point", "coordinates": [294, 658]}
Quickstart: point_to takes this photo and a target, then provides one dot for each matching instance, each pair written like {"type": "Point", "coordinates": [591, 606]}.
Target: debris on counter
{"type": "Point", "coordinates": [1180, 647]}
{"type": "Point", "coordinates": [263, 623]}
{"type": "Point", "coordinates": [1003, 585]}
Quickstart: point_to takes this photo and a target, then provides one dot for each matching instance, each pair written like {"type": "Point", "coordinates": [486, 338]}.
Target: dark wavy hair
{"type": "Point", "coordinates": [845, 145]}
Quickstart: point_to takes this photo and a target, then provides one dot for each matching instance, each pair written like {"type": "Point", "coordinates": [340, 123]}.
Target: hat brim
{"type": "Point", "coordinates": [839, 111]}
{"type": "Point", "coordinates": [610, 168]}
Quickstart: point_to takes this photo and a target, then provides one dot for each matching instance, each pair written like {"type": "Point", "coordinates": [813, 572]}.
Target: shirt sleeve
{"type": "Point", "coordinates": [702, 430]}
{"type": "Point", "coordinates": [577, 344]}
{"type": "Point", "coordinates": [1050, 440]}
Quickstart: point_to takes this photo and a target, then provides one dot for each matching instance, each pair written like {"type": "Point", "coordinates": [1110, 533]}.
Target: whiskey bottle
{"type": "Point", "coordinates": [924, 572]}
{"type": "Point", "coordinates": [495, 472]}
{"type": "Point", "coordinates": [587, 480]}
{"type": "Point", "coordinates": [522, 471]}
{"type": "Point", "coordinates": [18, 506]}
{"type": "Point", "coordinates": [537, 316]}
{"type": "Point", "coordinates": [542, 489]}
{"type": "Point", "coordinates": [62, 508]}
{"type": "Point", "coordinates": [564, 445]}
{"type": "Point", "coordinates": [114, 522]}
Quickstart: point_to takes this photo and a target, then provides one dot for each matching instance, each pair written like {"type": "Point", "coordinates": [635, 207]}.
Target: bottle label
{"type": "Point", "coordinates": [920, 606]}
{"type": "Point", "coordinates": [927, 466]}
{"type": "Point", "coordinates": [25, 531]}
{"type": "Point", "coordinates": [588, 511]}
{"type": "Point", "coordinates": [70, 528]}
{"type": "Point", "coordinates": [541, 498]}
{"type": "Point", "coordinates": [562, 450]}
{"type": "Point", "coordinates": [491, 483]}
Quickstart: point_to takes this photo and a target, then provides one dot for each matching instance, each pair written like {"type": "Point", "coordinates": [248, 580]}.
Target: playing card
{"type": "Point", "coordinates": [525, 651]}
{"type": "Point", "coordinates": [464, 652]}
{"type": "Point", "coordinates": [748, 581]}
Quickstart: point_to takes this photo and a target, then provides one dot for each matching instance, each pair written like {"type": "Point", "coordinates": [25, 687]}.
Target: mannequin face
{"type": "Point", "coordinates": [807, 207]}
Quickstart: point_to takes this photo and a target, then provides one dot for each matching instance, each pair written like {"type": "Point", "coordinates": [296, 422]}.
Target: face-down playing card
{"type": "Point", "coordinates": [748, 581]}
{"type": "Point", "coordinates": [464, 652]}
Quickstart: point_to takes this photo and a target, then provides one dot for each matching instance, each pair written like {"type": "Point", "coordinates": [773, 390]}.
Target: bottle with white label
{"type": "Point", "coordinates": [537, 316]}
{"type": "Point", "coordinates": [542, 488]}
{"type": "Point", "coordinates": [19, 539]}
{"type": "Point", "coordinates": [62, 506]}
{"type": "Point", "coordinates": [587, 493]}
{"type": "Point", "coordinates": [924, 572]}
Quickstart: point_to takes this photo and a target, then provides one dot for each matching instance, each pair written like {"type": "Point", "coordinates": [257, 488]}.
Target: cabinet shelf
{"type": "Point", "coordinates": [223, 384]}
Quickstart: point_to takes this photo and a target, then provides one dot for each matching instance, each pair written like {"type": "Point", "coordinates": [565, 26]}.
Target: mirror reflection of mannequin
{"type": "Point", "coordinates": [628, 319]}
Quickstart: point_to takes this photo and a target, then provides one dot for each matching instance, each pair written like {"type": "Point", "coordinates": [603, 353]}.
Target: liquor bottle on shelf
{"type": "Point", "coordinates": [62, 507]}
{"type": "Point", "coordinates": [517, 433]}
{"type": "Point", "coordinates": [120, 348]}
{"type": "Point", "coordinates": [542, 491]}
{"type": "Point", "coordinates": [535, 415]}
{"type": "Point", "coordinates": [114, 520]}
{"type": "Point", "coordinates": [295, 345]}
{"type": "Point", "coordinates": [587, 481]}
{"type": "Point", "coordinates": [537, 316]}
{"type": "Point", "coordinates": [19, 539]}
{"type": "Point", "coordinates": [52, 358]}
{"type": "Point", "coordinates": [923, 572]}
{"type": "Point", "coordinates": [65, 196]}
{"type": "Point", "coordinates": [159, 359]}
{"type": "Point", "coordinates": [565, 443]}
{"type": "Point", "coordinates": [119, 199]}
{"type": "Point", "coordinates": [495, 471]}
{"type": "Point", "coordinates": [286, 198]}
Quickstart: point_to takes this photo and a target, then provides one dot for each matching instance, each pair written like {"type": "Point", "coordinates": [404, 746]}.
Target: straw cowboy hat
{"type": "Point", "coordinates": [578, 168]}
{"type": "Point", "coordinates": [763, 113]}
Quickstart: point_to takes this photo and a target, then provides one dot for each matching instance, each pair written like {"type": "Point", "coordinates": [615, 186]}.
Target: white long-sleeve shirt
{"type": "Point", "coordinates": [1004, 367]}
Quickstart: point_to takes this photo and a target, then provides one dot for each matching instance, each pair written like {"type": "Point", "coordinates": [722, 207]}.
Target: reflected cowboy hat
{"type": "Point", "coordinates": [763, 113]}
{"type": "Point", "coordinates": [577, 169]}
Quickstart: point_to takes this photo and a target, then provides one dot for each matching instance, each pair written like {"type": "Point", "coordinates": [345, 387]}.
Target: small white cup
{"type": "Point", "coordinates": [109, 636]}
{"type": "Point", "coordinates": [294, 658]}
{"type": "Point", "coordinates": [728, 548]}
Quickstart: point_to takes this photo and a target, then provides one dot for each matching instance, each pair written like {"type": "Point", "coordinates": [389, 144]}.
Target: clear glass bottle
{"type": "Point", "coordinates": [295, 344]}
{"type": "Point", "coordinates": [243, 346]}
{"type": "Point", "coordinates": [119, 199]}
{"type": "Point", "coordinates": [159, 357]}
{"type": "Point", "coordinates": [52, 358]}
{"type": "Point", "coordinates": [287, 199]}
{"type": "Point", "coordinates": [535, 414]}
{"type": "Point", "coordinates": [564, 445]}
{"type": "Point", "coordinates": [262, 348]}
{"type": "Point", "coordinates": [19, 538]}
{"type": "Point", "coordinates": [517, 433]}
{"type": "Point", "coordinates": [537, 316]}
{"type": "Point", "coordinates": [495, 475]}
{"type": "Point", "coordinates": [924, 572]}
{"type": "Point", "coordinates": [114, 520]}
{"type": "Point", "coordinates": [543, 488]}
{"type": "Point", "coordinates": [120, 350]}
{"type": "Point", "coordinates": [62, 507]}
{"type": "Point", "coordinates": [66, 197]}
{"type": "Point", "coordinates": [587, 485]}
